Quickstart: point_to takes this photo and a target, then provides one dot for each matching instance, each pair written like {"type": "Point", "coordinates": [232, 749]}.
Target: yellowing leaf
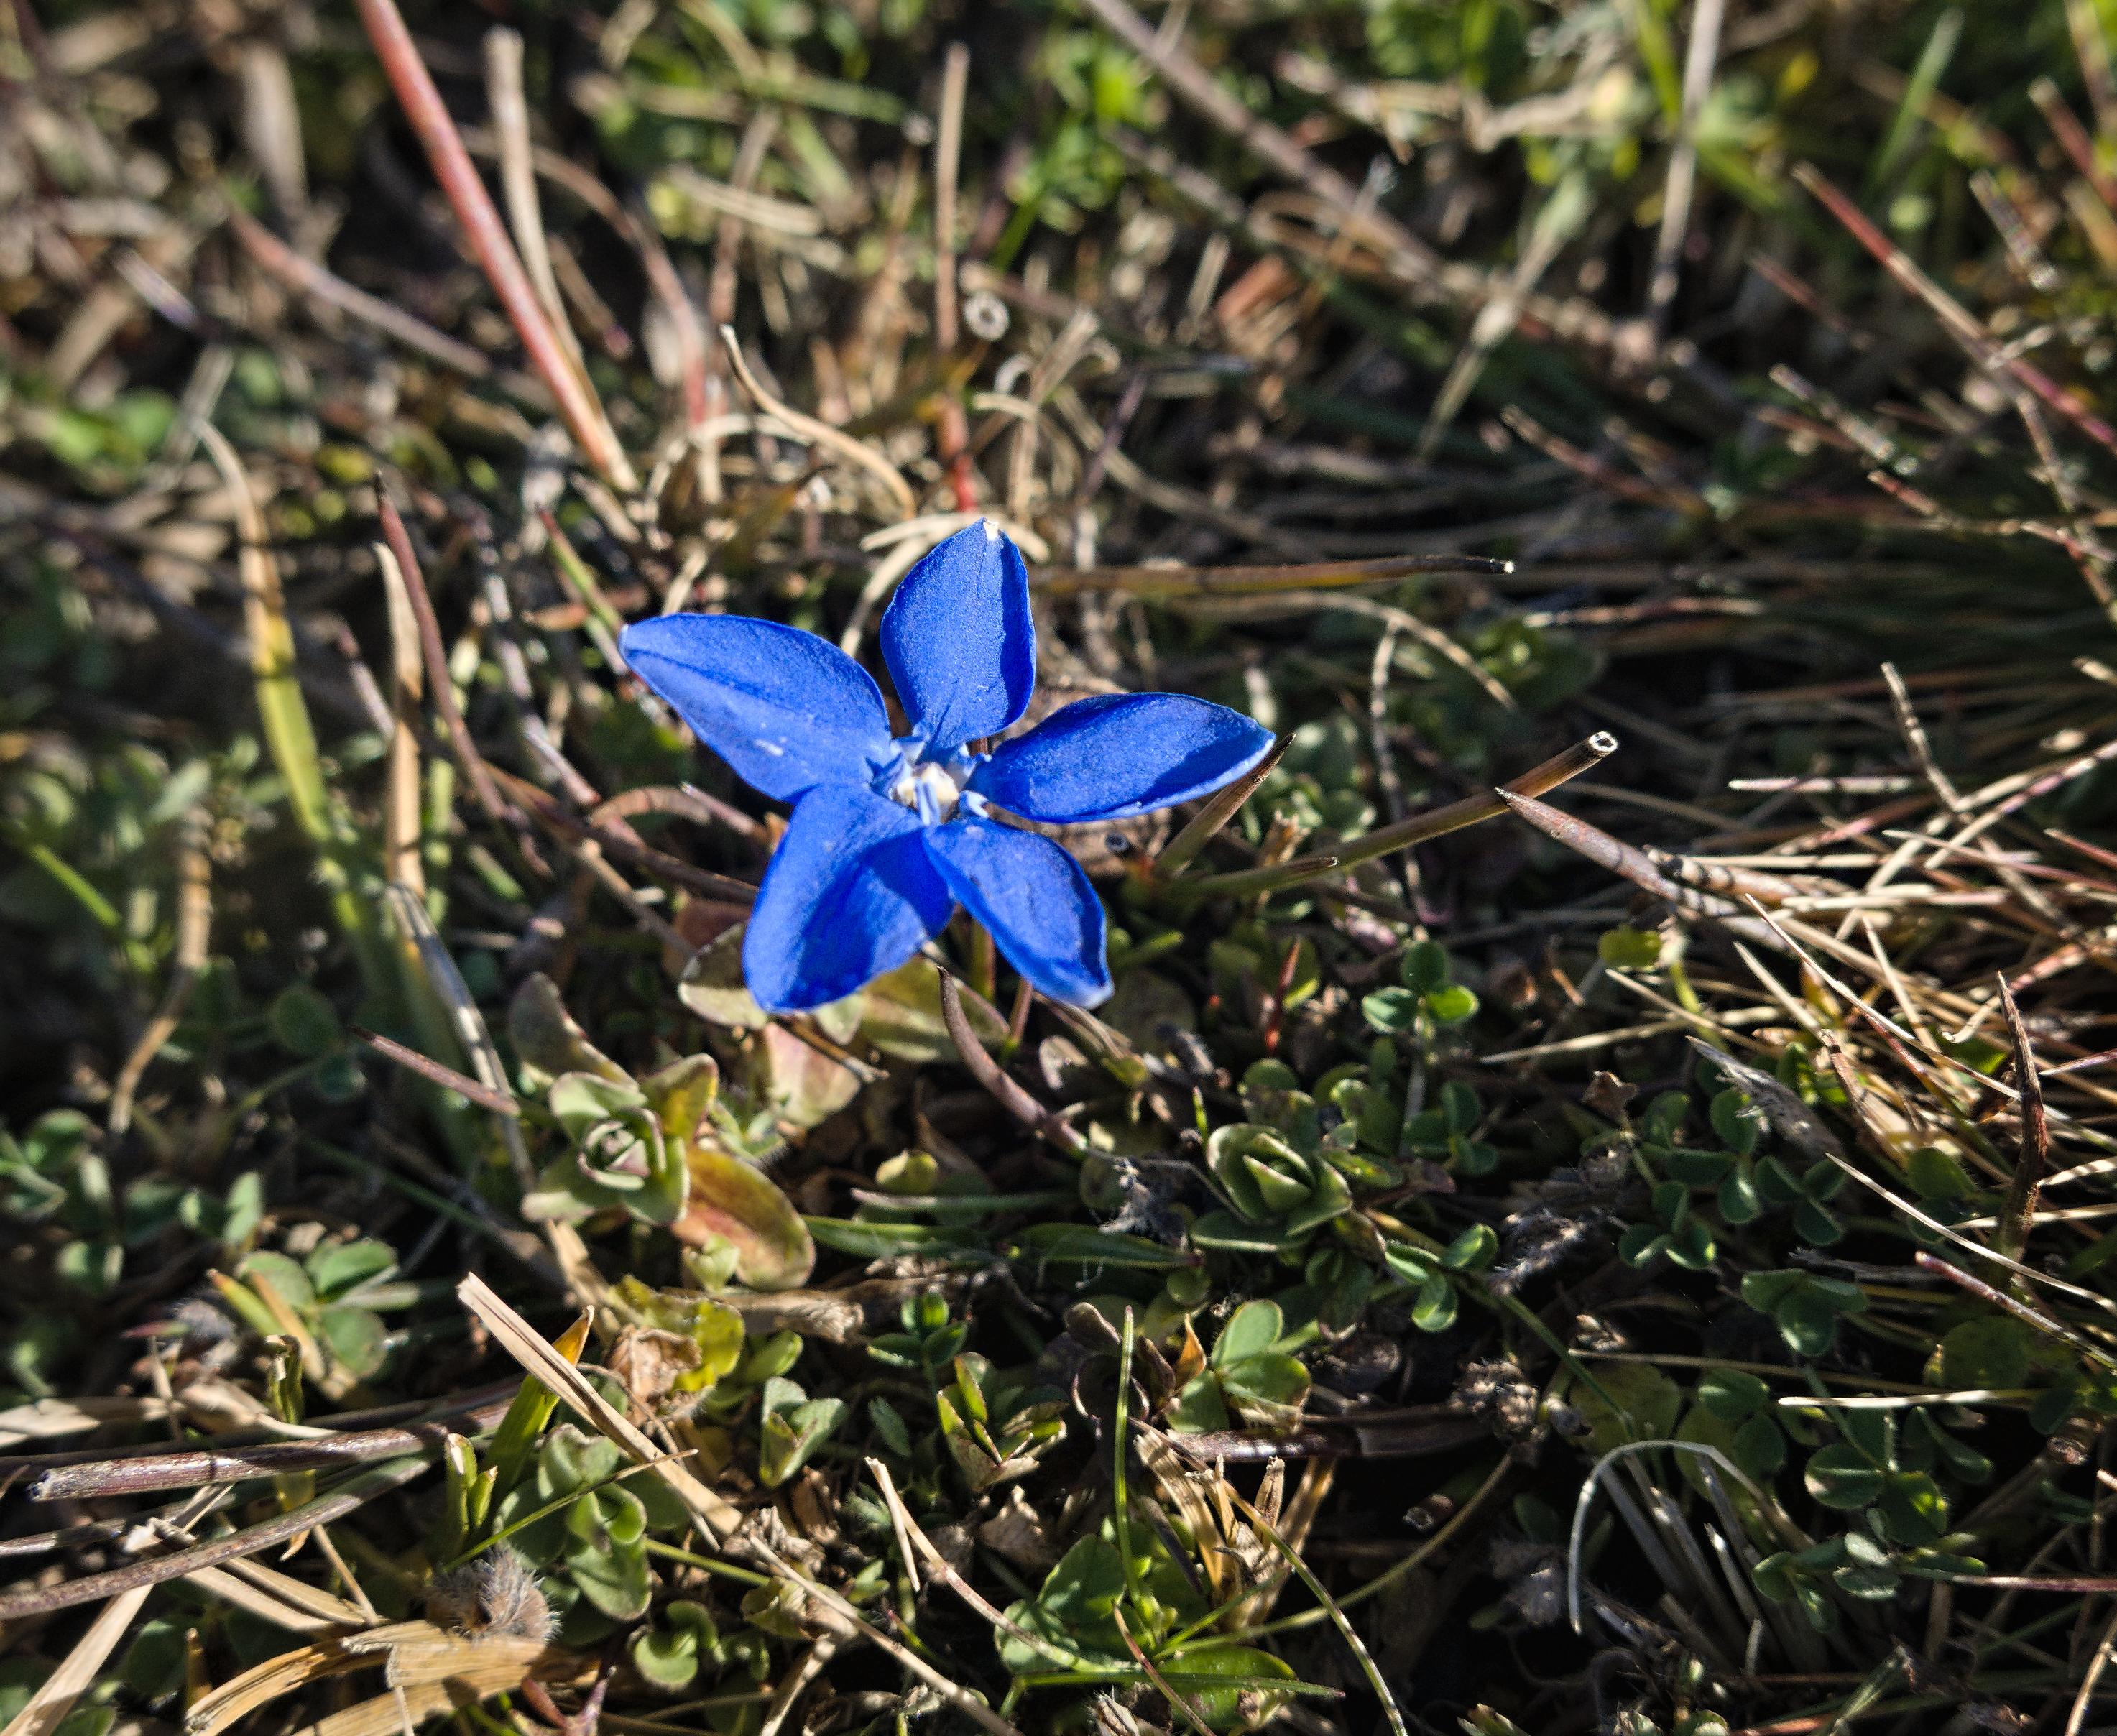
{"type": "Point", "coordinates": [732, 1202]}
{"type": "Point", "coordinates": [682, 1093]}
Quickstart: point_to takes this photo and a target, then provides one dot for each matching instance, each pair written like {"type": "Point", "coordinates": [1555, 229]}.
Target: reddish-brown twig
{"type": "Point", "coordinates": [1965, 330]}
{"type": "Point", "coordinates": [488, 239]}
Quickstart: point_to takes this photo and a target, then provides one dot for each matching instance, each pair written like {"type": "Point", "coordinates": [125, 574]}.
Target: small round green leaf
{"type": "Point", "coordinates": [304, 1024]}
{"type": "Point", "coordinates": [1841, 1477]}
{"type": "Point", "coordinates": [1629, 949]}
{"type": "Point", "coordinates": [1451, 1005]}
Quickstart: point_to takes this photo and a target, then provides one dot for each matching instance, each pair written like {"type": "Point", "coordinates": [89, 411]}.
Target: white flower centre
{"type": "Point", "coordinates": [930, 789]}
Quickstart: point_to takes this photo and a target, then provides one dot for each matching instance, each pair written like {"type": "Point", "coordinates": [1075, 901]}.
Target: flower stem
{"type": "Point", "coordinates": [984, 960]}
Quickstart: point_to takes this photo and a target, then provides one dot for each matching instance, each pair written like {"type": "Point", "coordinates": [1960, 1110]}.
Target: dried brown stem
{"type": "Point", "coordinates": [1583, 756]}
{"type": "Point", "coordinates": [983, 1068]}
{"type": "Point", "coordinates": [461, 747]}
{"type": "Point", "coordinates": [1201, 91]}
{"type": "Point", "coordinates": [1967, 330]}
{"type": "Point", "coordinates": [2074, 141]}
{"type": "Point", "coordinates": [2018, 1212]}
{"type": "Point", "coordinates": [720, 1520]}
{"type": "Point", "coordinates": [94, 1587]}
{"type": "Point", "coordinates": [580, 833]}
{"type": "Point", "coordinates": [1598, 846]}
{"type": "Point", "coordinates": [499, 1102]}
{"type": "Point", "coordinates": [1159, 582]}
{"type": "Point", "coordinates": [192, 1469]}
{"type": "Point", "coordinates": [1220, 808]}
{"type": "Point", "coordinates": [2043, 1322]}
{"type": "Point", "coordinates": [819, 433]}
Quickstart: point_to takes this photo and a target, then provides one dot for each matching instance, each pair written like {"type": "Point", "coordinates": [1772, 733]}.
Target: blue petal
{"type": "Point", "coordinates": [848, 895]}
{"type": "Point", "coordinates": [786, 710]}
{"type": "Point", "coordinates": [1119, 754]}
{"type": "Point", "coordinates": [958, 638]}
{"type": "Point", "coordinates": [1036, 900]}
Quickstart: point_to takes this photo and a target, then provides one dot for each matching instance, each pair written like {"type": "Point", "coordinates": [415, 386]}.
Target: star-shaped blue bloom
{"type": "Point", "coordinates": [889, 834]}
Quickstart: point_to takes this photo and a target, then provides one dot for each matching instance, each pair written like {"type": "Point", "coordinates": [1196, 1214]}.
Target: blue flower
{"type": "Point", "coordinates": [888, 836]}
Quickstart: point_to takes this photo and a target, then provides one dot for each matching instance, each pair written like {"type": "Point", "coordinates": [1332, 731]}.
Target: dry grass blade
{"type": "Point", "coordinates": [1561, 768]}
{"type": "Point", "coordinates": [1257, 882]}
{"type": "Point", "coordinates": [1165, 52]}
{"type": "Point", "coordinates": [307, 278]}
{"type": "Point", "coordinates": [1610, 1462]}
{"type": "Point", "coordinates": [543, 1361]}
{"type": "Point", "coordinates": [53, 1419]}
{"type": "Point", "coordinates": [286, 1602]}
{"type": "Point", "coordinates": [407, 1708]}
{"type": "Point", "coordinates": [443, 980]}
{"type": "Point", "coordinates": [1162, 1685]}
{"type": "Point", "coordinates": [2054, 1329]}
{"type": "Point", "coordinates": [1704, 49]}
{"type": "Point", "coordinates": [1959, 324]}
{"type": "Point", "coordinates": [1856, 1096]}
{"type": "Point", "coordinates": [1737, 881]}
{"type": "Point", "coordinates": [899, 1523]}
{"type": "Point", "coordinates": [518, 180]}
{"type": "Point", "coordinates": [812, 1663]}
{"type": "Point", "coordinates": [284, 712]}
{"type": "Point", "coordinates": [262, 1683]}
{"type": "Point", "coordinates": [1318, 1477]}
{"type": "Point", "coordinates": [199, 1469]}
{"type": "Point", "coordinates": [857, 453]}
{"type": "Point", "coordinates": [1595, 844]}
{"type": "Point", "coordinates": [82, 1476]}
{"type": "Point", "coordinates": [1440, 644]}
{"type": "Point", "coordinates": [911, 1538]}
{"type": "Point", "coordinates": [292, 736]}
{"type": "Point", "coordinates": [468, 761]}
{"type": "Point", "coordinates": [722, 1522]}
{"type": "Point", "coordinates": [2076, 1717]}
{"type": "Point", "coordinates": [436, 1668]}
{"type": "Point", "coordinates": [583, 836]}
{"type": "Point", "coordinates": [2018, 1212]}
{"type": "Point", "coordinates": [499, 1103]}
{"type": "Point", "coordinates": [403, 822]}
{"type": "Point", "coordinates": [1292, 1556]}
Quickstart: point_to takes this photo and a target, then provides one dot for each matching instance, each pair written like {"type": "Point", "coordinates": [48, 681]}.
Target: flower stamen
{"type": "Point", "coordinates": [930, 788]}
